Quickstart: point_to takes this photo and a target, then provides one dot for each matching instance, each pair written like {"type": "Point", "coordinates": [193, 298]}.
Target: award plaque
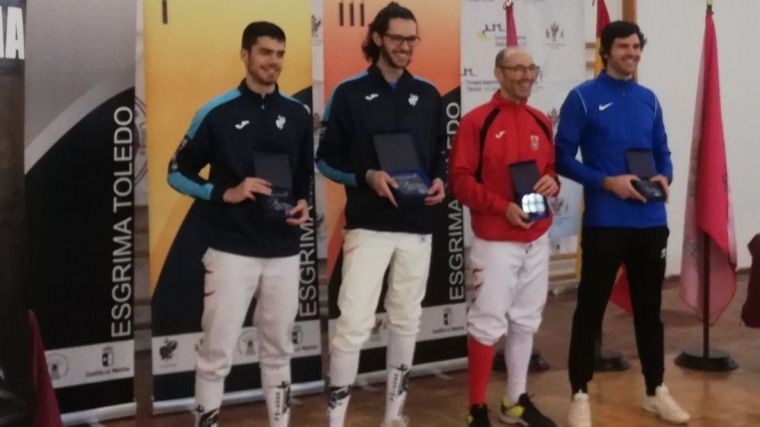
{"type": "Point", "coordinates": [398, 157]}
{"type": "Point", "coordinates": [524, 177]}
{"type": "Point", "coordinates": [275, 168]}
{"type": "Point", "coordinates": [641, 164]}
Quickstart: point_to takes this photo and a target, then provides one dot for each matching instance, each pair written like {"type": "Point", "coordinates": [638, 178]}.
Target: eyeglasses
{"type": "Point", "coordinates": [398, 40]}
{"type": "Point", "coordinates": [522, 69]}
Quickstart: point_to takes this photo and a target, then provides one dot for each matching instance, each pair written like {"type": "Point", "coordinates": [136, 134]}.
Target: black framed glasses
{"type": "Point", "coordinates": [398, 40]}
{"type": "Point", "coordinates": [522, 69]}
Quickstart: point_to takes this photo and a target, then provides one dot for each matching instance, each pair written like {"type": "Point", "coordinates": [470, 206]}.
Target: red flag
{"type": "Point", "coordinates": [708, 203]}
{"type": "Point", "coordinates": [602, 19]}
{"type": "Point", "coordinates": [46, 412]}
{"type": "Point", "coordinates": [511, 29]}
{"type": "Point", "coordinates": [621, 293]}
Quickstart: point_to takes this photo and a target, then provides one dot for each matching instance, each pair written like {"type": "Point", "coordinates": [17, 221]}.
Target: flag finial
{"type": "Point", "coordinates": [709, 6]}
{"type": "Point", "coordinates": [508, 3]}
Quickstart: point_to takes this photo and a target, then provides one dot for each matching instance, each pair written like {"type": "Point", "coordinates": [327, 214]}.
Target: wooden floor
{"type": "Point", "coordinates": [725, 400]}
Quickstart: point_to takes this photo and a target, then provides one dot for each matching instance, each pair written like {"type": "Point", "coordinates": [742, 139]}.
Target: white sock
{"type": "Point", "coordinates": [517, 351]}
{"type": "Point", "coordinates": [275, 380]}
{"type": "Point", "coordinates": [399, 357]}
{"type": "Point", "coordinates": [343, 368]}
{"type": "Point", "coordinates": [208, 399]}
{"type": "Point", "coordinates": [206, 418]}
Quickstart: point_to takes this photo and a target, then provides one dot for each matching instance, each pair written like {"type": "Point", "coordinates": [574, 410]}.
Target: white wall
{"type": "Point", "coordinates": [670, 66]}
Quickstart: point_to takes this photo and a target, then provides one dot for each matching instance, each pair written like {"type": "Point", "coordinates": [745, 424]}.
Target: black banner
{"type": "Point", "coordinates": [15, 369]}
{"type": "Point", "coordinates": [79, 160]}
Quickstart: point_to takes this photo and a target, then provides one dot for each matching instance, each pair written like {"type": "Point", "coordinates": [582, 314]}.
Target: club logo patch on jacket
{"type": "Point", "coordinates": [534, 142]}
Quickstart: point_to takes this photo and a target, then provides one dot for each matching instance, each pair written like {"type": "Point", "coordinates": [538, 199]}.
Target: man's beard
{"type": "Point", "coordinates": [388, 58]}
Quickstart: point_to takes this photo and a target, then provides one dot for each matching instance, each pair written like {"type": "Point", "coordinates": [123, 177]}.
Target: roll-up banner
{"type": "Point", "coordinates": [191, 55]}
{"type": "Point", "coordinates": [79, 147]}
{"type": "Point", "coordinates": [15, 373]}
{"type": "Point", "coordinates": [441, 343]}
{"type": "Point", "coordinates": [552, 32]}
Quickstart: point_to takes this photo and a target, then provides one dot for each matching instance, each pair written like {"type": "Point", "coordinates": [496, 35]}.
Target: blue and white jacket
{"type": "Point", "coordinates": [224, 134]}
{"type": "Point", "coordinates": [366, 105]}
{"type": "Point", "coordinates": [605, 117]}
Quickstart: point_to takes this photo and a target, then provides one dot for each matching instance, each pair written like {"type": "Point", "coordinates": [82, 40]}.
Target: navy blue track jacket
{"type": "Point", "coordinates": [224, 134]}
{"type": "Point", "coordinates": [366, 105]}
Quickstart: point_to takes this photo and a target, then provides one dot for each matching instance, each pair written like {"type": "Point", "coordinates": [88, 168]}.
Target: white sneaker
{"type": "Point", "coordinates": [663, 405]}
{"type": "Point", "coordinates": [396, 422]}
{"type": "Point", "coordinates": [580, 411]}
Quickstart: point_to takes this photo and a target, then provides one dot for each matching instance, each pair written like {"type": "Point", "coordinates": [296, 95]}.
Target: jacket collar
{"type": "Point", "coordinates": [258, 98]}
{"type": "Point", "coordinates": [377, 76]}
{"type": "Point", "coordinates": [606, 78]}
{"type": "Point", "coordinates": [499, 101]}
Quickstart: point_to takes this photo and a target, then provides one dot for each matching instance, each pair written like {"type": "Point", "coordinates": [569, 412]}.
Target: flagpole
{"type": "Point", "coordinates": [706, 290]}
{"type": "Point", "coordinates": [706, 359]}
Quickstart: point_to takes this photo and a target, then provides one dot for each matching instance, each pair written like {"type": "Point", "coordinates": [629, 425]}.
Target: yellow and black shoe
{"type": "Point", "coordinates": [523, 413]}
{"type": "Point", "coordinates": [478, 416]}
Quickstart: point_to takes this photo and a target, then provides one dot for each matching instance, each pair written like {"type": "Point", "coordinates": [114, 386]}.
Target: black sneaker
{"type": "Point", "coordinates": [478, 416]}
{"type": "Point", "coordinates": [524, 413]}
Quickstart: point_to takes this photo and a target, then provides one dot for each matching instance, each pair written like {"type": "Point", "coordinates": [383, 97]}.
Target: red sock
{"type": "Point", "coordinates": [479, 366]}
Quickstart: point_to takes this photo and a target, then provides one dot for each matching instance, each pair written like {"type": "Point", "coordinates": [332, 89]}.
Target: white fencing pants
{"type": "Point", "coordinates": [515, 284]}
{"type": "Point", "coordinates": [230, 284]}
{"type": "Point", "coordinates": [366, 256]}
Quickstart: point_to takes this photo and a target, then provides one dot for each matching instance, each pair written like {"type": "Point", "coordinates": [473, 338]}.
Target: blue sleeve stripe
{"type": "Point", "coordinates": [203, 112]}
{"type": "Point", "coordinates": [189, 187]}
{"type": "Point", "coordinates": [426, 81]}
{"type": "Point", "coordinates": [328, 106]}
{"type": "Point", "coordinates": [336, 175]}
{"type": "Point", "coordinates": [297, 101]}
{"type": "Point", "coordinates": [585, 110]}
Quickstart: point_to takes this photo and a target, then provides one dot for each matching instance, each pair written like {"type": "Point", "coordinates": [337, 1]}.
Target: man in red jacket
{"type": "Point", "coordinates": [510, 252]}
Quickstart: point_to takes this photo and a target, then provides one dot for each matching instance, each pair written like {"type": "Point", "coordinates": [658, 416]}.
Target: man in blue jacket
{"type": "Point", "coordinates": [254, 240]}
{"type": "Point", "coordinates": [381, 231]}
{"type": "Point", "coordinates": [607, 118]}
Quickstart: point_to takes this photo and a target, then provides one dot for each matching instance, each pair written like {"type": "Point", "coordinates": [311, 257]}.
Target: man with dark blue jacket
{"type": "Point", "coordinates": [382, 230]}
{"type": "Point", "coordinates": [253, 251]}
{"type": "Point", "coordinates": [609, 118]}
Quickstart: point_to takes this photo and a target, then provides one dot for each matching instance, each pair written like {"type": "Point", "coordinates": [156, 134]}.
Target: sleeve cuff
{"type": "Point", "coordinates": [217, 194]}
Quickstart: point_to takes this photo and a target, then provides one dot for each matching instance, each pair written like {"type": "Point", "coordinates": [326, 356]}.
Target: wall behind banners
{"type": "Point", "coordinates": [192, 55]}
{"type": "Point", "coordinates": [442, 333]}
{"type": "Point", "coordinates": [552, 31]}
{"type": "Point", "coordinates": [79, 183]}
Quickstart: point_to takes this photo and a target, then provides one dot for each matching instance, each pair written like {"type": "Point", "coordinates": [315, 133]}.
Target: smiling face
{"type": "Point", "coordinates": [264, 60]}
{"type": "Point", "coordinates": [397, 44]}
{"type": "Point", "coordinates": [516, 75]}
{"type": "Point", "coordinates": [624, 57]}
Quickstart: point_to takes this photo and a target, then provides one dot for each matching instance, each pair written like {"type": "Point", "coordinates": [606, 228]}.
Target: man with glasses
{"type": "Point", "coordinates": [382, 230]}
{"type": "Point", "coordinates": [614, 120]}
{"type": "Point", "coordinates": [510, 252]}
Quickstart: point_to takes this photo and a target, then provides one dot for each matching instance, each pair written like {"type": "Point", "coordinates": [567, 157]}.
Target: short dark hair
{"type": "Point", "coordinates": [618, 30]}
{"type": "Point", "coordinates": [380, 25]}
{"type": "Point", "coordinates": [257, 29]}
{"type": "Point", "coordinates": [499, 60]}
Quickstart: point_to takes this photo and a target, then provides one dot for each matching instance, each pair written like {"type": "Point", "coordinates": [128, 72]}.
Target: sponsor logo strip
{"type": "Point", "coordinates": [91, 363]}
{"type": "Point", "coordinates": [178, 353]}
